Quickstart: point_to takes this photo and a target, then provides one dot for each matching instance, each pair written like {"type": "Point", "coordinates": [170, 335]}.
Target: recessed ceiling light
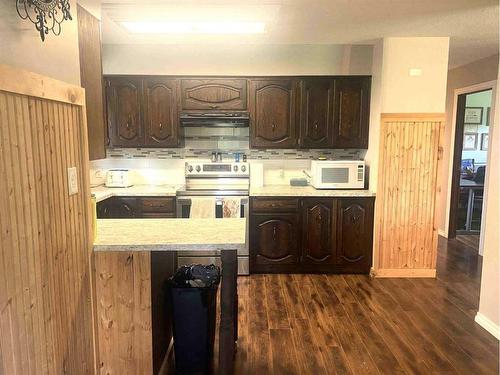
{"type": "Point", "coordinates": [194, 27]}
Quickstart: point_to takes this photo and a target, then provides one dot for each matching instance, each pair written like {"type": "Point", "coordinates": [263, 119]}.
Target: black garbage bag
{"type": "Point", "coordinates": [193, 295]}
{"type": "Point", "coordinates": [196, 275]}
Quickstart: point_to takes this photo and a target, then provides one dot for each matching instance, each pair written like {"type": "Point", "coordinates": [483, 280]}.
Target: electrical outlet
{"type": "Point", "coordinates": [72, 181]}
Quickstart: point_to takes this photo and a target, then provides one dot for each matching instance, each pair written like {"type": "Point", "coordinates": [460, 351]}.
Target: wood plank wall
{"type": "Point", "coordinates": [45, 294]}
{"type": "Point", "coordinates": [406, 232]}
{"type": "Point", "coordinates": [123, 289]}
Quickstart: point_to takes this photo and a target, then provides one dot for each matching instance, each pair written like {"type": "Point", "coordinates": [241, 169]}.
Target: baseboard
{"type": "Point", "coordinates": [442, 233]}
{"type": "Point", "coordinates": [406, 272]}
{"type": "Point", "coordinates": [488, 325]}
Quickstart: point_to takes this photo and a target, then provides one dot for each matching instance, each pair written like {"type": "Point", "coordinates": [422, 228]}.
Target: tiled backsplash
{"type": "Point", "coordinates": [196, 153]}
{"type": "Point", "coordinates": [201, 142]}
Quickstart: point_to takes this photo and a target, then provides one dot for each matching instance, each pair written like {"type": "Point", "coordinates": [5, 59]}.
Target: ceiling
{"type": "Point", "coordinates": [471, 24]}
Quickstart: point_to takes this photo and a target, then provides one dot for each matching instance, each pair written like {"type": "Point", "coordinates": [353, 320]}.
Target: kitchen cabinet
{"type": "Point", "coordinates": [136, 207]}
{"type": "Point", "coordinates": [160, 112]}
{"type": "Point", "coordinates": [142, 111]}
{"type": "Point", "coordinates": [351, 112]}
{"type": "Point", "coordinates": [318, 218]}
{"type": "Point", "coordinates": [275, 239]}
{"type": "Point", "coordinates": [214, 94]}
{"type": "Point", "coordinates": [124, 101]}
{"type": "Point", "coordinates": [311, 235]}
{"type": "Point", "coordinates": [316, 113]}
{"type": "Point", "coordinates": [355, 234]}
{"type": "Point", "coordinates": [273, 117]}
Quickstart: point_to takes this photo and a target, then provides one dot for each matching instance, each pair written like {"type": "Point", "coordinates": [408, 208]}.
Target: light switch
{"type": "Point", "coordinates": [72, 181]}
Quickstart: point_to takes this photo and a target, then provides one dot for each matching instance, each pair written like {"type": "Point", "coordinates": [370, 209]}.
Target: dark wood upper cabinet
{"type": "Point", "coordinates": [351, 112]}
{"type": "Point", "coordinates": [89, 42]}
{"type": "Point", "coordinates": [316, 113]}
{"type": "Point", "coordinates": [214, 94]}
{"type": "Point", "coordinates": [124, 97]}
{"type": "Point", "coordinates": [318, 238]}
{"type": "Point", "coordinates": [273, 113]}
{"type": "Point", "coordinates": [275, 238]}
{"type": "Point", "coordinates": [160, 112]}
{"type": "Point", "coordinates": [355, 234]}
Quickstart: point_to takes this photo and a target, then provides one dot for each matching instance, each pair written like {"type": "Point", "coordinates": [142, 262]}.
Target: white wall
{"type": "Point", "coordinates": [402, 93]}
{"type": "Point", "coordinates": [21, 46]}
{"type": "Point", "coordinates": [237, 59]}
{"type": "Point", "coordinates": [489, 301]}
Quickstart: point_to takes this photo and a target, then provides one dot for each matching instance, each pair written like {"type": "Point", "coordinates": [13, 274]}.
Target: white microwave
{"type": "Point", "coordinates": [338, 174]}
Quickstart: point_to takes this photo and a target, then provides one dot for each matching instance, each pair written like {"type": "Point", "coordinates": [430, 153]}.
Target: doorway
{"type": "Point", "coordinates": [470, 159]}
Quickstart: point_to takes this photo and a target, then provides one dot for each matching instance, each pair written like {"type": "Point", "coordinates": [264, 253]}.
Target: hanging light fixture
{"type": "Point", "coordinates": [47, 15]}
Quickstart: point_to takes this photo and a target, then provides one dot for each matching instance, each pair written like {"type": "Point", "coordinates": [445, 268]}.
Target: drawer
{"type": "Point", "coordinates": [158, 215]}
{"type": "Point", "coordinates": [154, 205]}
{"type": "Point", "coordinates": [275, 204]}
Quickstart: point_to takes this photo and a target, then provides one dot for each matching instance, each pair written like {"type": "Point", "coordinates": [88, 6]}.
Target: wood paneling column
{"type": "Point", "coordinates": [45, 290]}
{"type": "Point", "coordinates": [405, 228]}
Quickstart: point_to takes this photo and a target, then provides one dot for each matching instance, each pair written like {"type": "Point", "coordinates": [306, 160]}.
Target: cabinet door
{"type": "Point", "coordinates": [355, 234]}
{"type": "Point", "coordinates": [118, 208]}
{"type": "Point", "coordinates": [273, 113]}
{"type": "Point", "coordinates": [351, 112]}
{"type": "Point", "coordinates": [318, 218]}
{"type": "Point", "coordinates": [124, 111]}
{"type": "Point", "coordinates": [215, 94]}
{"type": "Point", "coordinates": [161, 115]}
{"type": "Point", "coordinates": [316, 119]}
{"type": "Point", "coordinates": [274, 239]}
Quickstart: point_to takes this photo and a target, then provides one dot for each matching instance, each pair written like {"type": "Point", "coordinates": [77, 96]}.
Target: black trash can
{"type": "Point", "coordinates": [193, 297]}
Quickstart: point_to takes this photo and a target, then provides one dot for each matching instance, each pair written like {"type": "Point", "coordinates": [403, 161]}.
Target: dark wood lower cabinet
{"type": "Point", "coordinates": [320, 235]}
{"type": "Point", "coordinates": [136, 207]}
{"type": "Point", "coordinates": [275, 240]}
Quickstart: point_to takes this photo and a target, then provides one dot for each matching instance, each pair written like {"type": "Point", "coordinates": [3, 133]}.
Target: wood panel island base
{"type": "Point", "coordinates": [128, 254]}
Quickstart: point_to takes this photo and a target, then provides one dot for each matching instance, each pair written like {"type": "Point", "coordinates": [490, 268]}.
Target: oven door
{"type": "Point", "coordinates": [213, 257]}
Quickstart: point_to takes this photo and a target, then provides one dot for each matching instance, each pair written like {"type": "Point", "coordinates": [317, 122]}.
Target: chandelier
{"type": "Point", "coordinates": [47, 15]}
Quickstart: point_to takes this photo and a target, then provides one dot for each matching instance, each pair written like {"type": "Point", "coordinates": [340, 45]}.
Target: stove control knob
{"type": "Point", "coordinates": [243, 168]}
{"type": "Point", "coordinates": [235, 168]}
{"type": "Point", "coordinates": [190, 168]}
{"type": "Point", "coordinates": [198, 168]}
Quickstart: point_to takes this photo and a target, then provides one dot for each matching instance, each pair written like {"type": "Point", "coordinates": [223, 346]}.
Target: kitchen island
{"type": "Point", "coordinates": [125, 268]}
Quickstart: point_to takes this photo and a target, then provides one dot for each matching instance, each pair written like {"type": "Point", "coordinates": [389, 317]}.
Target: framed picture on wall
{"type": "Point", "coordinates": [488, 116]}
{"type": "Point", "coordinates": [473, 115]}
{"type": "Point", "coordinates": [484, 142]}
{"type": "Point", "coordinates": [470, 141]}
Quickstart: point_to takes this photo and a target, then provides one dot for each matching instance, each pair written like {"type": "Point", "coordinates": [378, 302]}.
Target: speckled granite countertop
{"type": "Point", "coordinates": [102, 192]}
{"type": "Point", "coordinates": [170, 234]}
{"type": "Point", "coordinates": [305, 191]}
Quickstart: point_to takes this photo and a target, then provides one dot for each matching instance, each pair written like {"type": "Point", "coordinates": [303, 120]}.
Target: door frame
{"type": "Point", "coordinates": [455, 145]}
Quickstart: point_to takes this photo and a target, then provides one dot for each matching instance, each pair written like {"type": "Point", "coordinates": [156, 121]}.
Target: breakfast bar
{"type": "Point", "coordinates": [123, 265]}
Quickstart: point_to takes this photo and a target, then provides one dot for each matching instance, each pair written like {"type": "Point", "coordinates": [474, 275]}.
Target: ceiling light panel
{"type": "Point", "coordinates": [194, 27]}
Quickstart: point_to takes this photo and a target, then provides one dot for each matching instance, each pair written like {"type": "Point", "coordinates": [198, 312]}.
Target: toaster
{"type": "Point", "coordinates": [119, 178]}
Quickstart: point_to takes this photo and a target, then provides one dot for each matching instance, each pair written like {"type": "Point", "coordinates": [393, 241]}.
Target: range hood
{"type": "Point", "coordinates": [215, 119]}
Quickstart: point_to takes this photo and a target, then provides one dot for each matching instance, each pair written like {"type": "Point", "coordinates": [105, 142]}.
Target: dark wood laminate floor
{"type": "Point", "coordinates": [331, 324]}
{"type": "Point", "coordinates": [471, 240]}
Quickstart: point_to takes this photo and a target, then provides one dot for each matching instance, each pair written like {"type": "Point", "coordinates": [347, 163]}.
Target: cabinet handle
{"type": "Point", "coordinates": [161, 126]}
{"type": "Point", "coordinates": [273, 126]}
{"type": "Point", "coordinates": [274, 232]}
{"type": "Point", "coordinates": [315, 125]}
{"type": "Point", "coordinates": [319, 218]}
{"type": "Point", "coordinates": [214, 106]}
{"type": "Point", "coordinates": [354, 219]}
{"type": "Point", "coordinates": [127, 207]}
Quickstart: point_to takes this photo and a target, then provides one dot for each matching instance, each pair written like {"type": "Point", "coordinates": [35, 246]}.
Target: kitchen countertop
{"type": "Point", "coordinates": [305, 191]}
{"type": "Point", "coordinates": [170, 234]}
{"type": "Point", "coordinates": [102, 192]}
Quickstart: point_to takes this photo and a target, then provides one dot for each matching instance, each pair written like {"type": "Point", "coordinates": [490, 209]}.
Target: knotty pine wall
{"type": "Point", "coordinates": [406, 229]}
{"type": "Point", "coordinates": [45, 295]}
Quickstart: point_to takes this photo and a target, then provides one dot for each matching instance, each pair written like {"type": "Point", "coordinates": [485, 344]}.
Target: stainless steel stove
{"type": "Point", "coordinates": [217, 181]}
